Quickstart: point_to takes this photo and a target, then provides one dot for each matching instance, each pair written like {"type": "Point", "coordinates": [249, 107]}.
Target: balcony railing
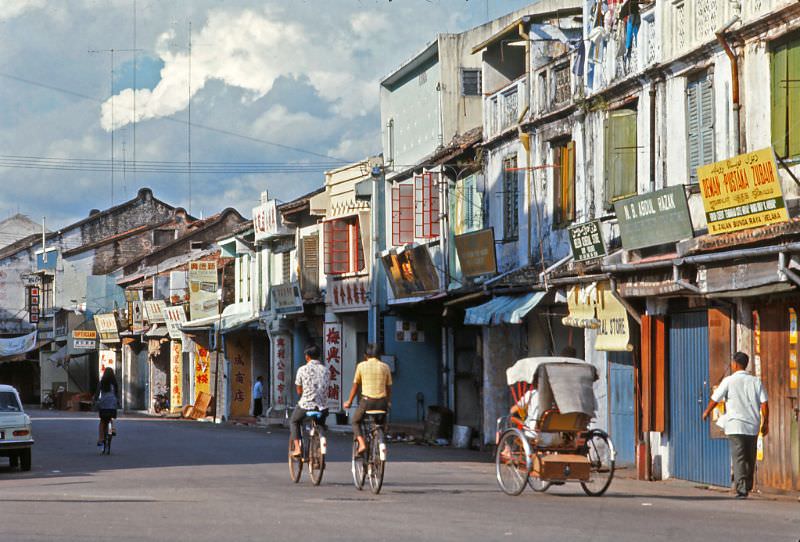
{"type": "Point", "coordinates": [503, 108]}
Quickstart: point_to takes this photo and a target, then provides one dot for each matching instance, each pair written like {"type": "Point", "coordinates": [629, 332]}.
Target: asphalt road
{"type": "Point", "coordinates": [180, 480]}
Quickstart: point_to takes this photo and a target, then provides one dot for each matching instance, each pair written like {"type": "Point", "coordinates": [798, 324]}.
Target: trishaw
{"type": "Point", "coordinates": [550, 443]}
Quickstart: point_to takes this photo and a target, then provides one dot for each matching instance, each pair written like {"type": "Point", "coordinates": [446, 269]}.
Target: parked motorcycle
{"type": "Point", "coordinates": [161, 401]}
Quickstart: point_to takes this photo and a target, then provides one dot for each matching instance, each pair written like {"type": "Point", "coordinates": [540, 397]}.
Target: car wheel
{"type": "Point", "coordinates": [25, 460]}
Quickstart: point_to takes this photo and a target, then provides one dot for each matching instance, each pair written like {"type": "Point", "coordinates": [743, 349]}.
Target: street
{"type": "Point", "coordinates": [178, 480]}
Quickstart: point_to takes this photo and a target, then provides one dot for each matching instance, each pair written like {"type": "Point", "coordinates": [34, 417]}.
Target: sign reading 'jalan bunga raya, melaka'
{"type": "Point", "coordinates": [742, 192]}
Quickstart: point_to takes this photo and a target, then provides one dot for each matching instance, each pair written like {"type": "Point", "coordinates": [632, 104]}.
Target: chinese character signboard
{"type": "Point", "coordinates": [84, 339]}
{"type": "Point", "coordinates": [154, 311]}
{"type": "Point", "coordinates": [202, 290]}
{"type": "Point", "coordinates": [240, 377]}
{"type": "Point", "coordinates": [107, 358]}
{"type": "Point", "coordinates": [286, 298]}
{"type": "Point", "coordinates": [266, 221]}
{"type": "Point", "coordinates": [587, 241]}
{"type": "Point", "coordinates": [743, 192]}
{"type": "Point", "coordinates": [175, 376]}
{"type": "Point", "coordinates": [33, 304]}
{"type": "Point", "coordinates": [106, 325]}
{"type": "Point", "coordinates": [202, 371]}
{"type": "Point", "coordinates": [281, 370]}
{"type": "Point", "coordinates": [174, 317]}
{"type": "Point", "coordinates": [476, 253]}
{"type": "Point", "coordinates": [348, 295]}
{"type": "Point", "coordinates": [332, 338]}
{"type": "Point", "coordinates": [656, 218]}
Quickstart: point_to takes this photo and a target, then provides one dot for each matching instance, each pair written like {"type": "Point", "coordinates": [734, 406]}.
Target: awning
{"type": "Point", "coordinates": [156, 332]}
{"type": "Point", "coordinates": [503, 309]}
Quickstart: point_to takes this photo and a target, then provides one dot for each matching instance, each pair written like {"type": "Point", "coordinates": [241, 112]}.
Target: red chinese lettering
{"type": "Point", "coordinates": [240, 378]}
{"type": "Point", "coordinates": [333, 354]}
{"type": "Point", "coordinates": [333, 336]}
{"type": "Point", "coordinates": [333, 372]}
{"type": "Point", "coordinates": [333, 392]}
{"type": "Point", "coordinates": [280, 341]}
{"type": "Point", "coordinates": [281, 376]}
{"type": "Point", "coordinates": [239, 396]}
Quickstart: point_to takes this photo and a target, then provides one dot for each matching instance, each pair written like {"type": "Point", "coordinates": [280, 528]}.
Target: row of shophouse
{"type": "Point", "coordinates": [616, 176]}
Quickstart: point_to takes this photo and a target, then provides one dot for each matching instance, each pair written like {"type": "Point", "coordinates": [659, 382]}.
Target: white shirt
{"type": "Point", "coordinates": [529, 402]}
{"type": "Point", "coordinates": [743, 394]}
{"type": "Point", "coordinates": [258, 390]}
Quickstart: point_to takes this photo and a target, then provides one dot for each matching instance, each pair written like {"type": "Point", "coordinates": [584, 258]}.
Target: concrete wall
{"type": "Point", "coordinates": [17, 227]}
{"type": "Point", "coordinates": [512, 253]}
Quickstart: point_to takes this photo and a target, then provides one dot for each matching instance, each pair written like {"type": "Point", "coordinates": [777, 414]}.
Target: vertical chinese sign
{"type": "Point", "coordinates": [281, 371]}
{"type": "Point", "coordinates": [241, 378]}
{"type": "Point", "coordinates": [107, 358]}
{"type": "Point", "coordinates": [175, 375]}
{"type": "Point", "coordinates": [333, 361]}
{"type": "Point", "coordinates": [202, 371]}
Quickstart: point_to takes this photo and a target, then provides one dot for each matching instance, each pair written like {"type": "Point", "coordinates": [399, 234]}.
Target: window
{"type": "Point", "coordinates": [287, 267]}
{"type": "Point", "coordinates": [563, 183]}
{"type": "Point", "coordinates": [471, 84]}
{"type": "Point", "coordinates": [415, 210]}
{"type": "Point", "coordinates": [620, 155]}
{"type": "Point", "coordinates": [243, 278]}
{"type": "Point", "coordinates": [309, 277]}
{"type": "Point", "coordinates": [786, 99]}
{"type": "Point", "coordinates": [510, 199]}
{"type": "Point", "coordinates": [699, 123]}
{"type": "Point", "coordinates": [47, 294]}
{"type": "Point", "coordinates": [469, 206]}
{"type": "Point", "coordinates": [344, 252]}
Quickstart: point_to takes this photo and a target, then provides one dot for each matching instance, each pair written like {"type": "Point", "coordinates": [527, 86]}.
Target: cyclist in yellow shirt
{"type": "Point", "coordinates": [375, 379]}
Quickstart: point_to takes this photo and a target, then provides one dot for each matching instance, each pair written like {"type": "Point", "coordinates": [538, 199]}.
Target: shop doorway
{"type": "Point", "coordinates": [468, 370]}
{"type": "Point", "coordinates": [622, 406]}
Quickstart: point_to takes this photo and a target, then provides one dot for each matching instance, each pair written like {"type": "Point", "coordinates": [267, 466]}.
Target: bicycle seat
{"type": "Point", "coordinates": [375, 412]}
{"type": "Point", "coordinates": [314, 414]}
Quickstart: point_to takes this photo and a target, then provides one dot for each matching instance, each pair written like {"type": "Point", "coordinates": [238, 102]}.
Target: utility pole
{"type": "Point", "coordinates": [189, 124]}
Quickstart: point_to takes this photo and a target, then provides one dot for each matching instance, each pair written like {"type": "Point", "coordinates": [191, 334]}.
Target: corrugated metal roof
{"type": "Point", "coordinates": [503, 309]}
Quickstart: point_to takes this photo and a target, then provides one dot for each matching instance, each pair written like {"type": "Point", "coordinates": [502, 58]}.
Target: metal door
{"type": "Point", "coordinates": [694, 455]}
{"type": "Point", "coordinates": [621, 406]}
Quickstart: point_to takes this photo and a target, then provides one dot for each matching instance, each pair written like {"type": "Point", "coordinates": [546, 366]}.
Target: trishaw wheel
{"type": "Point", "coordinates": [513, 462]}
{"type": "Point", "coordinates": [600, 451]}
{"type": "Point", "coordinates": [537, 484]}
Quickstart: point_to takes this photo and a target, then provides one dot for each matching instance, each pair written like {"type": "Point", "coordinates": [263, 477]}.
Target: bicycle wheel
{"type": "Point", "coordinates": [513, 462]}
{"type": "Point", "coordinates": [376, 464]}
{"type": "Point", "coordinates": [295, 465]}
{"type": "Point", "coordinates": [537, 484]}
{"type": "Point", "coordinates": [316, 459]}
{"type": "Point", "coordinates": [600, 451]}
{"type": "Point", "coordinates": [107, 443]}
{"type": "Point", "coordinates": [358, 467]}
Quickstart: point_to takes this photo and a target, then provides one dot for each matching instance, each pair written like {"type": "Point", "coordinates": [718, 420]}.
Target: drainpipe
{"type": "Point", "coordinates": [526, 140]}
{"type": "Point", "coordinates": [653, 136]}
{"type": "Point", "coordinates": [734, 81]}
{"type": "Point", "coordinates": [784, 270]}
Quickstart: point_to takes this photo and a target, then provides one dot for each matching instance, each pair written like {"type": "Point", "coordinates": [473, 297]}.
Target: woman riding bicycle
{"type": "Point", "coordinates": [107, 403]}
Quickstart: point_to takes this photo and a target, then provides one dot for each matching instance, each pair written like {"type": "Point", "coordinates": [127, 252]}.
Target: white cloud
{"type": "Point", "coordinates": [10, 9]}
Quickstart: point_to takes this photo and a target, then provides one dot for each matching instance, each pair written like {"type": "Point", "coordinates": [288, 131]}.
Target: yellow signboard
{"type": "Point", "coordinates": [613, 335]}
{"type": "Point", "coordinates": [742, 192]}
{"type": "Point", "coordinates": [202, 371]}
{"type": "Point", "coordinates": [176, 376]}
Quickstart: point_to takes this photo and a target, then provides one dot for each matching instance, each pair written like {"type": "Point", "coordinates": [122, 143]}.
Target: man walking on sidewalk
{"type": "Point", "coordinates": [258, 397]}
{"type": "Point", "coordinates": [746, 412]}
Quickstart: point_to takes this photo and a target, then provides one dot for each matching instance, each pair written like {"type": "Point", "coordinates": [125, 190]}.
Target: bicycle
{"type": "Point", "coordinates": [314, 448]}
{"type": "Point", "coordinates": [372, 463]}
{"type": "Point", "coordinates": [110, 432]}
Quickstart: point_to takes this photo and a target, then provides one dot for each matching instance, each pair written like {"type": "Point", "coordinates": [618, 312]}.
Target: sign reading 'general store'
{"type": "Point", "coordinates": [741, 193]}
{"type": "Point", "coordinates": [587, 241]}
{"type": "Point", "coordinates": [653, 219]}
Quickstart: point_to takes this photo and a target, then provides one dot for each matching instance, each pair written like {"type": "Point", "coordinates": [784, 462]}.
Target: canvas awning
{"type": "Point", "coordinates": [504, 309]}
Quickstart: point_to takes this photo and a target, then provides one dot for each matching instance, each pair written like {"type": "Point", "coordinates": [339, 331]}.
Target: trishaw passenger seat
{"type": "Point", "coordinates": [553, 421]}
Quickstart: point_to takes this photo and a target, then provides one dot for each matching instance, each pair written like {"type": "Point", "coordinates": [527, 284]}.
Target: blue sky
{"type": "Point", "coordinates": [268, 76]}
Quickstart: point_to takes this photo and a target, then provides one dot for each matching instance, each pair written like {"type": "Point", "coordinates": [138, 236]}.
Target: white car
{"type": "Point", "coordinates": [16, 435]}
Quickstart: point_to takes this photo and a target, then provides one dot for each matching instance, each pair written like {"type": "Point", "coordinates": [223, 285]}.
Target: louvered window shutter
{"type": "Point", "coordinates": [793, 97]}
{"type": "Point", "coordinates": [327, 232]}
{"type": "Point", "coordinates": [693, 147]}
{"type": "Point", "coordinates": [310, 265]}
{"type": "Point", "coordinates": [779, 106]}
{"type": "Point", "coordinates": [706, 122]}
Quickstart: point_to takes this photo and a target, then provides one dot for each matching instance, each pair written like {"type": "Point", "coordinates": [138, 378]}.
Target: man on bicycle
{"type": "Point", "coordinates": [312, 387]}
{"type": "Point", "coordinates": [375, 380]}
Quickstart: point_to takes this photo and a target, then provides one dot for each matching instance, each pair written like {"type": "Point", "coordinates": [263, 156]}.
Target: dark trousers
{"type": "Point", "coordinates": [743, 458]}
{"type": "Point", "coordinates": [364, 404]}
{"type": "Point", "coordinates": [258, 407]}
{"type": "Point", "coordinates": [297, 420]}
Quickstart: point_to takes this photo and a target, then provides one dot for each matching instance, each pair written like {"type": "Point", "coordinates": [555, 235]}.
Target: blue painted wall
{"type": "Point", "coordinates": [416, 368]}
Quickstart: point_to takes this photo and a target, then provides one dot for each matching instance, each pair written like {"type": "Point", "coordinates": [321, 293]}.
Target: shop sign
{"type": "Point", "coordinates": [586, 241]}
{"type": "Point", "coordinates": [348, 294]}
{"type": "Point", "coordinates": [202, 371]}
{"type": "Point", "coordinates": [107, 359]}
{"type": "Point", "coordinates": [411, 272]}
{"type": "Point", "coordinates": [33, 304]}
{"type": "Point", "coordinates": [613, 334]}
{"type": "Point", "coordinates": [176, 376]}
{"type": "Point", "coordinates": [174, 317]}
{"type": "Point", "coordinates": [286, 298]}
{"type": "Point", "coordinates": [333, 360]}
{"type": "Point", "coordinates": [240, 378]}
{"type": "Point", "coordinates": [84, 339]}
{"type": "Point", "coordinates": [653, 219]}
{"type": "Point", "coordinates": [18, 345]}
{"type": "Point", "coordinates": [281, 370]}
{"type": "Point", "coordinates": [475, 252]}
{"type": "Point", "coordinates": [137, 316]}
{"type": "Point", "coordinates": [178, 289]}
{"type": "Point", "coordinates": [154, 311]}
{"type": "Point", "coordinates": [203, 289]}
{"type": "Point", "coordinates": [266, 221]}
{"type": "Point", "coordinates": [742, 192]}
{"type": "Point", "coordinates": [106, 325]}
{"type": "Point", "coordinates": [582, 304]}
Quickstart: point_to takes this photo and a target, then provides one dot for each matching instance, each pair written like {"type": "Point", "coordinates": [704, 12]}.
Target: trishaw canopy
{"type": "Point", "coordinates": [565, 382]}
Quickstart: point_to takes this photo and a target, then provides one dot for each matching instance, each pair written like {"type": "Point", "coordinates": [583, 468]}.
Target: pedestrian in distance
{"type": "Point", "coordinates": [312, 387]}
{"type": "Point", "coordinates": [107, 403]}
{"type": "Point", "coordinates": [746, 413]}
{"type": "Point", "coordinates": [375, 379]}
{"type": "Point", "coordinates": [258, 397]}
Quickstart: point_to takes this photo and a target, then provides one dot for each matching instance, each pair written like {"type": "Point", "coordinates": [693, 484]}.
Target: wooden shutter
{"type": "Point", "coordinates": [568, 183]}
{"type": "Point", "coordinates": [693, 128]}
{"type": "Point", "coordinates": [402, 214]}
{"type": "Point", "coordinates": [558, 189]}
{"type": "Point", "coordinates": [337, 247]}
{"type": "Point", "coordinates": [309, 276]}
{"type": "Point", "coordinates": [719, 354]}
{"type": "Point", "coordinates": [779, 106]}
{"type": "Point", "coordinates": [621, 155]}
{"type": "Point", "coordinates": [793, 97]}
{"type": "Point", "coordinates": [287, 267]}
{"type": "Point", "coordinates": [700, 124]}
{"type": "Point", "coordinates": [426, 207]}
{"type": "Point", "coordinates": [652, 374]}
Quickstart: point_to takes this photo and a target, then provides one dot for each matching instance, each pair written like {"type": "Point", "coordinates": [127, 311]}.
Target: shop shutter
{"type": "Point", "coordinates": [779, 76]}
